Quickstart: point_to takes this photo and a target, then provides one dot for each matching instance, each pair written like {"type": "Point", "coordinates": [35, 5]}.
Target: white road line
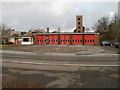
{"type": "Point", "coordinates": [54, 64]}
{"type": "Point", "coordinates": [99, 55]}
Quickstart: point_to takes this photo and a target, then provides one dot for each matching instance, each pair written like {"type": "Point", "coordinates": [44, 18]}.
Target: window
{"type": "Point", "coordinates": [75, 40]}
{"type": "Point", "coordinates": [78, 27]}
{"type": "Point", "coordinates": [78, 18]}
{"type": "Point", "coordinates": [93, 40]}
{"type": "Point", "coordinates": [90, 40]}
{"type": "Point", "coordinates": [78, 23]}
{"type": "Point", "coordinates": [68, 40]}
{"type": "Point", "coordinates": [25, 39]}
{"type": "Point", "coordinates": [85, 40]}
{"type": "Point", "coordinates": [80, 40]}
{"type": "Point", "coordinates": [38, 40]}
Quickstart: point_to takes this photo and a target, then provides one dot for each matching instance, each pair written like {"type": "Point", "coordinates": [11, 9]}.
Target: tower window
{"type": "Point", "coordinates": [78, 18]}
{"type": "Point", "coordinates": [79, 23]}
{"type": "Point", "coordinates": [78, 27]}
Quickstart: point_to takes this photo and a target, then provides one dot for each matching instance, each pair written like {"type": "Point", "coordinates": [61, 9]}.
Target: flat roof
{"type": "Point", "coordinates": [65, 33]}
{"type": "Point", "coordinates": [25, 36]}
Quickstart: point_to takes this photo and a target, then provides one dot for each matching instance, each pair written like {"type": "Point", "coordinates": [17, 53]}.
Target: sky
{"type": "Point", "coordinates": [23, 16]}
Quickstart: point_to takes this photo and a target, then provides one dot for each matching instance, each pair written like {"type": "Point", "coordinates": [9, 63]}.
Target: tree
{"type": "Point", "coordinates": [115, 18]}
{"type": "Point", "coordinates": [58, 29]}
{"type": "Point", "coordinates": [109, 29]}
{"type": "Point", "coordinates": [87, 30]}
{"type": "Point", "coordinates": [55, 31]}
{"type": "Point", "coordinates": [102, 25]}
{"type": "Point", "coordinates": [74, 30]}
{"type": "Point", "coordinates": [6, 32]}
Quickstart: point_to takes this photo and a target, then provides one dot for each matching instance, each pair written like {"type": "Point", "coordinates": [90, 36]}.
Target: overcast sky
{"type": "Point", "coordinates": [23, 16]}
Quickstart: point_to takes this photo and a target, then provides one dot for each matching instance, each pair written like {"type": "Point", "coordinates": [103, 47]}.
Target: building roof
{"type": "Point", "coordinates": [25, 36]}
{"type": "Point", "coordinates": [65, 33]}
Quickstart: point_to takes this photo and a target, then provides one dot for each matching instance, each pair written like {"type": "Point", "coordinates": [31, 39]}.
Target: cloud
{"type": "Point", "coordinates": [27, 15]}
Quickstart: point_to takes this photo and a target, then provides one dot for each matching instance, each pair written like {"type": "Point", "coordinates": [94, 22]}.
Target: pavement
{"type": "Point", "coordinates": [84, 77]}
{"type": "Point", "coordinates": [61, 50]}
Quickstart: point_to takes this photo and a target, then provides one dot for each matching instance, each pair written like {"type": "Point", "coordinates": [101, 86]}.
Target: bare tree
{"type": "Point", "coordinates": [58, 29]}
{"type": "Point", "coordinates": [87, 29]}
{"type": "Point", "coordinates": [6, 32]}
{"type": "Point", "coordinates": [115, 18]}
{"type": "Point", "coordinates": [109, 29]}
{"type": "Point", "coordinates": [102, 25]}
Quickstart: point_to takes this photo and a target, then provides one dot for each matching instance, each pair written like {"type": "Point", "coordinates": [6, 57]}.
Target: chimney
{"type": "Point", "coordinates": [47, 29]}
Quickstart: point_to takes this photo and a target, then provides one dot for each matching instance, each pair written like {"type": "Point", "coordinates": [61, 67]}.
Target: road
{"type": "Point", "coordinates": [77, 71]}
{"type": "Point", "coordinates": [78, 59]}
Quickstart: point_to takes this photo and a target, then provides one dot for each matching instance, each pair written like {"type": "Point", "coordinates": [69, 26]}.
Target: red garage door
{"type": "Point", "coordinates": [77, 39]}
{"type": "Point", "coordinates": [55, 39]}
{"type": "Point", "coordinates": [39, 39]}
{"type": "Point", "coordinates": [67, 39]}
{"type": "Point", "coordinates": [89, 39]}
{"type": "Point", "coordinates": [43, 41]}
{"type": "Point", "coordinates": [62, 39]}
{"type": "Point", "coordinates": [50, 37]}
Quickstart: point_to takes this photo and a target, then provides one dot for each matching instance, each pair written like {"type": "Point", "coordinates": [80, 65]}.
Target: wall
{"type": "Point", "coordinates": [89, 39]}
{"type": "Point", "coordinates": [97, 39]}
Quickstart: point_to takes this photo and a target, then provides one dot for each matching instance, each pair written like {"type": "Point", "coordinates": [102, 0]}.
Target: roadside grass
{"type": "Point", "coordinates": [5, 46]}
{"type": "Point", "coordinates": [6, 83]}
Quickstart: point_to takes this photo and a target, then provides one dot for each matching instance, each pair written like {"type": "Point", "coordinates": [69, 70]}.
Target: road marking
{"type": "Point", "coordinates": [98, 55]}
{"type": "Point", "coordinates": [55, 64]}
{"type": "Point", "coordinates": [64, 58]}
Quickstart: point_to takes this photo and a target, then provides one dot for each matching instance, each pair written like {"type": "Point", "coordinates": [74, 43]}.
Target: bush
{"type": "Point", "coordinates": [9, 43]}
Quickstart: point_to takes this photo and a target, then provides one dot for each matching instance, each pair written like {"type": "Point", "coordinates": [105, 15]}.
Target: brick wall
{"type": "Point", "coordinates": [97, 39]}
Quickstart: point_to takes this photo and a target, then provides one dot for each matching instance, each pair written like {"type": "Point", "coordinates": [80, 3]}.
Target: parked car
{"type": "Point", "coordinates": [117, 44]}
{"type": "Point", "coordinates": [106, 43]}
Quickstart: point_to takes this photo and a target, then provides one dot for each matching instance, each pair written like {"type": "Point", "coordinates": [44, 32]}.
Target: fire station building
{"type": "Point", "coordinates": [77, 38]}
{"type": "Point", "coordinates": [67, 38]}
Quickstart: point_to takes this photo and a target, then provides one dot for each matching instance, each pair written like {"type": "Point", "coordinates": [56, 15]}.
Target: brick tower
{"type": "Point", "coordinates": [79, 24]}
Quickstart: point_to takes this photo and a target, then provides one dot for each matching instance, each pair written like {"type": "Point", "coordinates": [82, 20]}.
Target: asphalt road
{"type": "Point", "coordinates": [61, 66]}
{"type": "Point", "coordinates": [61, 71]}
{"type": "Point", "coordinates": [79, 59]}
